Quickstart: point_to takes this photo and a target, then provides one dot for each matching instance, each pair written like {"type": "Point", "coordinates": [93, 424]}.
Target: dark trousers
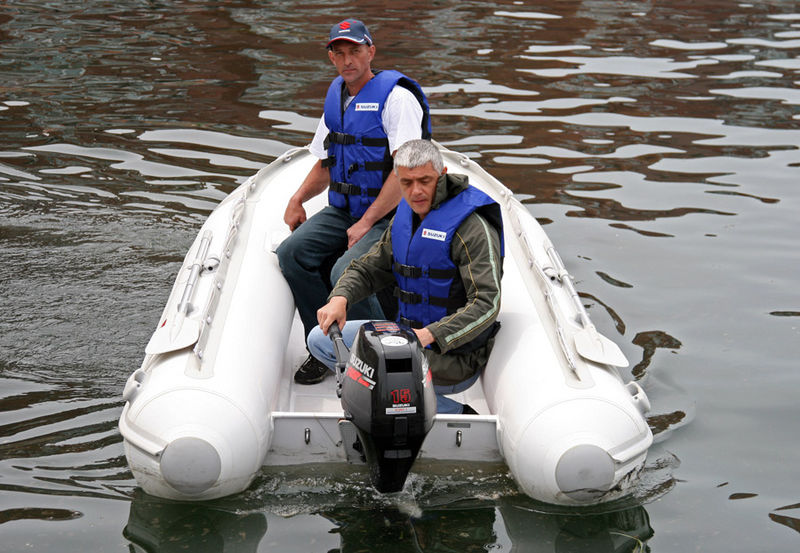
{"type": "Point", "coordinates": [313, 248]}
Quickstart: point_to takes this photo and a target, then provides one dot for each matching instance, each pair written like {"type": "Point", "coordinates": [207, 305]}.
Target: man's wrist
{"type": "Point", "coordinates": [336, 297]}
{"type": "Point", "coordinates": [368, 218]}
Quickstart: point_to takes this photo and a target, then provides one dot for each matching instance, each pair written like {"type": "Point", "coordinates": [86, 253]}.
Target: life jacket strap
{"type": "Point", "coordinates": [350, 139]}
{"type": "Point", "coordinates": [352, 189]}
{"type": "Point", "coordinates": [339, 138]}
{"type": "Point", "coordinates": [375, 142]}
{"type": "Point", "coordinates": [386, 165]}
{"type": "Point", "coordinates": [412, 297]}
{"type": "Point", "coordinates": [410, 271]}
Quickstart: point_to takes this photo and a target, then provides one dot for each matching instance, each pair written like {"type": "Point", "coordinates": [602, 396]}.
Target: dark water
{"type": "Point", "coordinates": [658, 141]}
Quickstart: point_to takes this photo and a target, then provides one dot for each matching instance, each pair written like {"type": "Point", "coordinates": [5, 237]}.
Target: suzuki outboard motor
{"type": "Point", "coordinates": [387, 393]}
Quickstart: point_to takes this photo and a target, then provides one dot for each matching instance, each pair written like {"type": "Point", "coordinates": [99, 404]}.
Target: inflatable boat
{"type": "Point", "coordinates": [214, 399]}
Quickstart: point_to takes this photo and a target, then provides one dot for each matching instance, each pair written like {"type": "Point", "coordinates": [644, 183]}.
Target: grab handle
{"type": "Point", "coordinates": [133, 385]}
{"type": "Point", "coordinates": [638, 397]}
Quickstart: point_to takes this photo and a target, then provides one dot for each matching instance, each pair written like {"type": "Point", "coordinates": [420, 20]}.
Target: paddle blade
{"type": "Point", "coordinates": [182, 333]}
{"type": "Point", "coordinates": [595, 347]}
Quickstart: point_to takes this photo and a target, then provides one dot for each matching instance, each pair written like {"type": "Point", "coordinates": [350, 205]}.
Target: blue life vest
{"type": "Point", "coordinates": [359, 159]}
{"type": "Point", "coordinates": [429, 284]}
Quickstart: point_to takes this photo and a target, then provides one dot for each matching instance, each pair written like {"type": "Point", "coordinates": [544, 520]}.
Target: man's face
{"type": "Point", "coordinates": [418, 186]}
{"type": "Point", "coordinates": [352, 60]}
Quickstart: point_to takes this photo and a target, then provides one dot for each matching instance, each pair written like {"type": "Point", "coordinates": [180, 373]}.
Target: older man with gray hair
{"type": "Point", "coordinates": [443, 253]}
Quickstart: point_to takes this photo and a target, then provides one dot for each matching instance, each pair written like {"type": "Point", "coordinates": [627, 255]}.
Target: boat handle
{"type": "Point", "coordinates": [286, 157]}
{"type": "Point", "coordinates": [463, 159]}
{"type": "Point", "coordinates": [134, 385]}
{"type": "Point", "coordinates": [638, 397]}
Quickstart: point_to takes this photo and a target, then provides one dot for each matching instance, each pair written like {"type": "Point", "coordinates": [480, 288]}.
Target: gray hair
{"type": "Point", "coordinates": [416, 153]}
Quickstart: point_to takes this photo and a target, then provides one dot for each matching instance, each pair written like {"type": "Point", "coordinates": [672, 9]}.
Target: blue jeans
{"type": "Point", "coordinates": [321, 347]}
{"type": "Point", "coordinates": [311, 248]}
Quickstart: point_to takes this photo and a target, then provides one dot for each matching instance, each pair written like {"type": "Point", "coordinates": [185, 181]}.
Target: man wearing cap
{"type": "Point", "coordinates": [367, 116]}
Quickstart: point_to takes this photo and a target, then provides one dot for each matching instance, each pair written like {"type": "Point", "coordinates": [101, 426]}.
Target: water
{"type": "Point", "coordinates": [657, 141]}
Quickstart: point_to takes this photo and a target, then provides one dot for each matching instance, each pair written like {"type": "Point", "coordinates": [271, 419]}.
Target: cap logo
{"type": "Point", "coordinates": [350, 29]}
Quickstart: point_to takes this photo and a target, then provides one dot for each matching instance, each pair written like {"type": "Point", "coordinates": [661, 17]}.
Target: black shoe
{"type": "Point", "coordinates": [468, 410]}
{"type": "Point", "coordinates": [311, 371]}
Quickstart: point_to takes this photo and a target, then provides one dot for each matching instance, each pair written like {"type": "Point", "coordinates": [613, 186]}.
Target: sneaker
{"type": "Point", "coordinates": [468, 410]}
{"type": "Point", "coordinates": [311, 371]}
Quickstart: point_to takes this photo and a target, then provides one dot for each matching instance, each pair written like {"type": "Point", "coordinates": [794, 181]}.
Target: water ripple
{"type": "Point", "coordinates": [658, 141]}
{"type": "Point", "coordinates": [44, 447]}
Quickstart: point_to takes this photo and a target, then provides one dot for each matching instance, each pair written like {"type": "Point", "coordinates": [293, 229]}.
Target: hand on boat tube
{"type": "Point", "coordinates": [315, 182]}
{"type": "Point", "coordinates": [295, 215]}
{"type": "Point", "coordinates": [335, 311]}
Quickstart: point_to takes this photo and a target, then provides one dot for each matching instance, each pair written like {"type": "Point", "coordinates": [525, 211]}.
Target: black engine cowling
{"type": "Point", "coordinates": [387, 393]}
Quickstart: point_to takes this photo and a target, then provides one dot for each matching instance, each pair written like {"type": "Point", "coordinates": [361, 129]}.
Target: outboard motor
{"type": "Point", "coordinates": [386, 390]}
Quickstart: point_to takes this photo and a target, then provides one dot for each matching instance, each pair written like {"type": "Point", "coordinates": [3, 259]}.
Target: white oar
{"type": "Point", "coordinates": [589, 343]}
{"type": "Point", "coordinates": [177, 331]}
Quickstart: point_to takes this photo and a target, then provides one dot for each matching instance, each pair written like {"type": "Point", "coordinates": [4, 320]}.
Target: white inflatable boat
{"type": "Point", "coordinates": [214, 399]}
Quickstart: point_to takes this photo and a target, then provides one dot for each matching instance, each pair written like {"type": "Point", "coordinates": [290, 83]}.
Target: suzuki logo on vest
{"type": "Point", "coordinates": [367, 107]}
{"type": "Point", "coordinates": [434, 234]}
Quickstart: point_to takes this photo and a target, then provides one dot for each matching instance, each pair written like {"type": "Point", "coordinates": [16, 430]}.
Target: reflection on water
{"type": "Point", "coordinates": [659, 142]}
{"type": "Point", "coordinates": [37, 514]}
{"type": "Point", "coordinates": [623, 530]}
{"type": "Point", "coordinates": [160, 526]}
{"type": "Point", "coordinates": [156, 525]}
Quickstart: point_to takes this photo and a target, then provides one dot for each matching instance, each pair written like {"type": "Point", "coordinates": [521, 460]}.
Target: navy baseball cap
{"type": "Point", "coordinates": [352, 30]}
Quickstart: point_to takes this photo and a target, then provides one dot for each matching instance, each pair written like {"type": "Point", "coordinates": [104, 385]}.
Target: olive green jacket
{"type": "Point", "coordinates": [475, 250]}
